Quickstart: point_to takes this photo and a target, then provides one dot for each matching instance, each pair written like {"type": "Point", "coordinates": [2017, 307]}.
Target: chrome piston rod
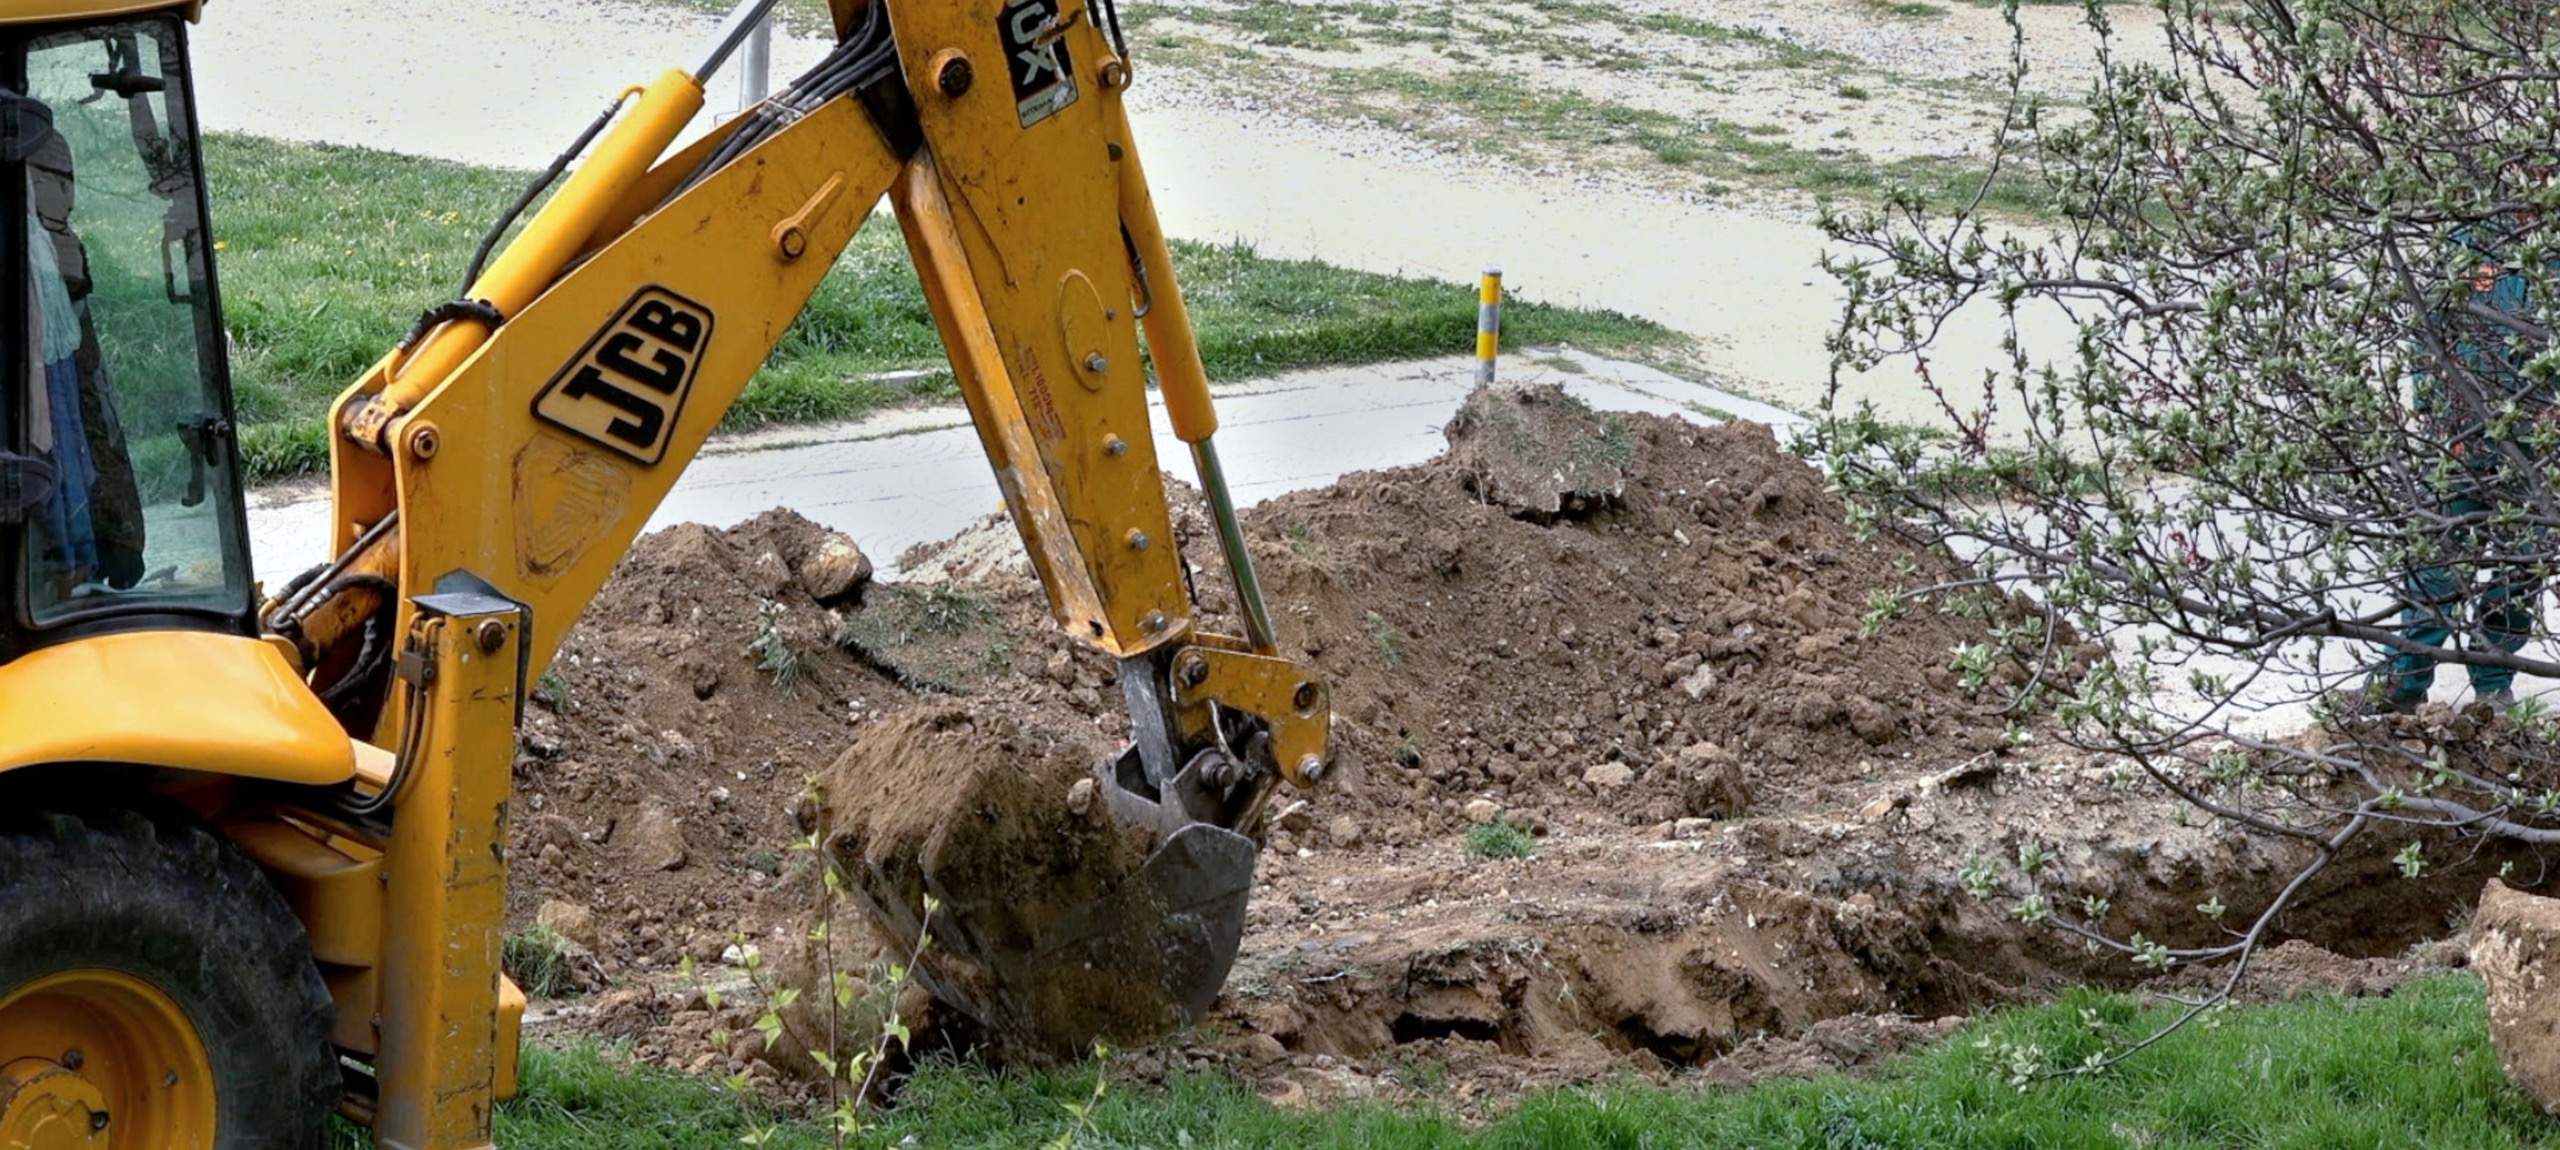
{"type": "Point", "coordinates": [1213, 484]}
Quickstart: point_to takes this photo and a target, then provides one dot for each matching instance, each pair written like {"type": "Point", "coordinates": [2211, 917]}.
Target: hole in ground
{"type": "Point", "coordinates": [1675, 1050]}
{"type": "Point", "coordinates": [1411, 1027]}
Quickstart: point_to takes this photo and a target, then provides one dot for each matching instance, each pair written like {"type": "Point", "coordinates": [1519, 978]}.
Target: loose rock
{"type": "Point", "coordinates": [569, 920]}
{"type": "Point", "coordinates": [1609, 776]}
{"type": "Point", "coordinates": [835, 570]}
{"type": "Point", "coordinates": [656, 841]}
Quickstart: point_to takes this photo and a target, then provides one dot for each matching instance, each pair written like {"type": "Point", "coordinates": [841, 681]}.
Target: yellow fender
{"type": "Point", "coordinates": [187, 700]}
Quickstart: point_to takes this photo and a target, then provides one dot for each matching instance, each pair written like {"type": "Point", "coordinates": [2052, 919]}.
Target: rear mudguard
{"type": "Point", "coordinates": [184, 700]}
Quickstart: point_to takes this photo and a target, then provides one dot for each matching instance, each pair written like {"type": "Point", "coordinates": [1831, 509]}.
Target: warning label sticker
{"type": "Point", "coordinates": [1034, 38]}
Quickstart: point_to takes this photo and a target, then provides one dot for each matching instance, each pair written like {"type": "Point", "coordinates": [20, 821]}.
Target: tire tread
{"type": "Point", "coordinates": [74, 884]}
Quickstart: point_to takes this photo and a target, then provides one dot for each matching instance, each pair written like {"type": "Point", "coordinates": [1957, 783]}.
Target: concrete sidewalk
{"type": "Point", "coordinates": [914, 476]}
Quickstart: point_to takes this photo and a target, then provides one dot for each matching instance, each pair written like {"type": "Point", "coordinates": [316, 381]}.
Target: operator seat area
{"type": "Point", "coordinates": [91, 530]}
{"type": "Point", "coordinates": [122, 484]}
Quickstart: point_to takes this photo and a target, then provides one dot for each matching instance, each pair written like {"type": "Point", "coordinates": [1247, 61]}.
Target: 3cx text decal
{"type": "Point", "coordinates": [1044, 79]}
{"type": "Point", "coordinates": [626, 387]}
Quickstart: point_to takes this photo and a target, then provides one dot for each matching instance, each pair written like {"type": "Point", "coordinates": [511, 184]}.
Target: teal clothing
{"type": "Point", "coordinates": [2491, 352]}
{"type": "Point", "coordinates": [2442, 603]}
{"type": "Point", "coordinates": [2505, 610]}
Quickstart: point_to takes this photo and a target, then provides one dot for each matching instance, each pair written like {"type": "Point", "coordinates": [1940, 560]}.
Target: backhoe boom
{"type": "Point", "coordinates": [525, 438]}
{"type": "Point", "coordinates": [340, 756]}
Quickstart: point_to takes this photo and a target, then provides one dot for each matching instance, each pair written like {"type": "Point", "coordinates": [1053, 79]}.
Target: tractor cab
{"type": "Point", "coordinates": [120, 494]}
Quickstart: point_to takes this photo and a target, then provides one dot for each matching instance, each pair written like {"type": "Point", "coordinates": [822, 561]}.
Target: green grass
{"type": "Point", "coordinates": [798, 17]}
{"type": "Point", "coordinates": [1716, 149]}
{"type": "Point", "coordinates": [1499, 840]}
{"type": "Point", "coordinates": [329, 253]}
{"type": "Point", "coordinates": [2411, 1070]}
{"type": "Point", "coordinates": [1484, 104]}
{"type": "Point", "coordinates": [538, 959]}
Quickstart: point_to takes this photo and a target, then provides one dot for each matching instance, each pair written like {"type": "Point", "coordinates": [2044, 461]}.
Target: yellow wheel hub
{"type": "Point", "coordinates": [99, 1060]}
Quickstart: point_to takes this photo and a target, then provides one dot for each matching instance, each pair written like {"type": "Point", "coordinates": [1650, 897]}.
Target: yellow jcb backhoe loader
{"type": "Point", "coordinates": [252, 852]}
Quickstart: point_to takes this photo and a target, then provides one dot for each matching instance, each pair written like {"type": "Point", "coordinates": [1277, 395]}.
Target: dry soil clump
{"type": "Point", "coordinates": [2515, 943]}
{"type": "Point", "coordinates": [958, 824]}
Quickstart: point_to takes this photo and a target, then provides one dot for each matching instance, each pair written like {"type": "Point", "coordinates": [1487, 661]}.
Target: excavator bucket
{"type": "Point", "coordinates": [1053, 908]}
{"type": "Point", "coordinates": [1142, 959]}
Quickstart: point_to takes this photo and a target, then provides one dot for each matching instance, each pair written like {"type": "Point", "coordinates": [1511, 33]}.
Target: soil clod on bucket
{"type": "Point", "coordinates": [971, 811]}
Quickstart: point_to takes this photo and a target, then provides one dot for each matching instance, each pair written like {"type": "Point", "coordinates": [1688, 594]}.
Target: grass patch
{"type": "Point", "coordinates": [797, 17]}
{"type": "Point", "coordinates": [537, 958]}
{"type": "Point", "coordinates": [787, 664]}
{"type": "Point", "coordinates": [2413, 1069]}
{"type": "Point", "coordinates": [1776, 51]}
{"type": "Point", "coordinates": [585, 1097]}
{"type": "Point", "coordinates": [1499, 840]}
{"type": "Point", "coordinates": [1481, 103]}
{"type": "Point", "coordinates": [934, 638]}
{"type": "Point", "coordinates": [1507, 112]}
{"type": "Point", "coordinates": [1389, 640]}
{"type": "Point", "coordinates": [330, 252]}
{"type": "Point", "coordinates": [551, 690]}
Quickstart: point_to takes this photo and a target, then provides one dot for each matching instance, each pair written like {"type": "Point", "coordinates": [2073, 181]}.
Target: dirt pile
{"type": "Point", "coordinates": [1665, 653]}
{"type": "Point", "coordinates": [1757, 795]}
{"type": "Point", "coordinates": [666, 750]}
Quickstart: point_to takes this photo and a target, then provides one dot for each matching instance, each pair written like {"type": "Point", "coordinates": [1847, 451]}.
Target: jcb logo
{"type": "Point", "coordinates": [626, 387]}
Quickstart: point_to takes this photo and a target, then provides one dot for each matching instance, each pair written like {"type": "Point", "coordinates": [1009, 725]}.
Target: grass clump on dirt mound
{"type": "Point", "coordinates": [537, 958]}
{"type": "Point", "coordinates": [329, 253]}
{"type": "Point", "coordinates": [1500, 841]}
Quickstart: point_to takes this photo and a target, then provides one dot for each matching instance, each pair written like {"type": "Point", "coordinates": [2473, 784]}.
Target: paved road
{"type": "Point", "coordinates": [911, 477]}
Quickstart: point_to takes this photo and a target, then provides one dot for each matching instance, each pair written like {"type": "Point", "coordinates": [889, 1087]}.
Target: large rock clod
{"type": "Point", "coordinates": [1539, 451]}
{"type": "Point", "coordinates": [2515, 944]}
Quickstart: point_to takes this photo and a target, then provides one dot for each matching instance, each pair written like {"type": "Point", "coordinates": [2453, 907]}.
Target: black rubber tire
{"type": "Point", "coordinates": [167, 901]}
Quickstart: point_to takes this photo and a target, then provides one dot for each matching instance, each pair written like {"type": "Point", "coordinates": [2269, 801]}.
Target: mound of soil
{"type": "Point", "coordinates": [1751, 793]}
{"type": "Point", "coordinates": [1697, 639]}
{"type": "Point", "coordinates": [679, 728]}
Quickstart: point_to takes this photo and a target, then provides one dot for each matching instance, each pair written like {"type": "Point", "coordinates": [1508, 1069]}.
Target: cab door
{"type": "Point", "coordinates": [119, 389]}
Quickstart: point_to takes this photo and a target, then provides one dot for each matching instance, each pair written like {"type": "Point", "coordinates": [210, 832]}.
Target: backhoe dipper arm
{"type": "Point", "coordinates": [515, 448]}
